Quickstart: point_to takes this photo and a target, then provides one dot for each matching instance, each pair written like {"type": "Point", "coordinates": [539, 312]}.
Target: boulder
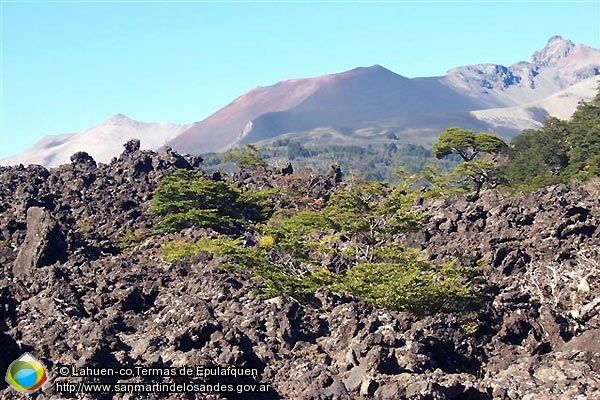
{"type": "Point", "coordinates": [44, 243]}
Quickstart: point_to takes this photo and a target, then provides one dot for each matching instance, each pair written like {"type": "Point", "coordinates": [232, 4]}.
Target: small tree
{"type": "Point", "coordinates": [246, 157]}
{"type": "Point", "coordinates": [467, 144]}
{"type": "Point", "coordinates": [480, 153]}
{"type": "Point", "coordinates": [185, 199]}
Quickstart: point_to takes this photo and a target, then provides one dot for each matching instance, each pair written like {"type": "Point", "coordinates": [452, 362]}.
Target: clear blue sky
{"type": "Point", "coordinates": [67, 66]}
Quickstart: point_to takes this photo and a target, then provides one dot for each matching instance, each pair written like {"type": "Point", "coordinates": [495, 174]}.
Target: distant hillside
{"type": "Point", "coordinates": [362, 106]}
{"type": "Point", "coordinates": [102, 142]}
{"type": "Point", "coordinates": [560, 64]}
{"type": "Point", "coordinates": [365, 104]}
{"type": "Point", "coordinates": [349, 101]}
{"type": "Point", "coordinates": [508, 121]}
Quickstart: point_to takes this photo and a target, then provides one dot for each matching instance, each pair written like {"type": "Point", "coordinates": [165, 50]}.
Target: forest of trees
{"type": "Point", "coordinates": [558, 152]}
{"type": "Point", "coordinates": [377, 162]}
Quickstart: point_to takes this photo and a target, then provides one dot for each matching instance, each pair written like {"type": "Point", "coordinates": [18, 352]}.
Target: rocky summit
{"type": "Point", "coordinates": [84, 286]}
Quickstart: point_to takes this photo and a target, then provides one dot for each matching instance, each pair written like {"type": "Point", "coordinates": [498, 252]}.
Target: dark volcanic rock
{"type": "Point", "coordinates": [288, 169]}
{"type": "Point", "coordinates": [82, 157]}
{"type": "Point", "coordinates": [132, 146]}
{"type": "Point", "coordinates": [44, 243]}
{"type": "Point", "coordinates": [91, 304]}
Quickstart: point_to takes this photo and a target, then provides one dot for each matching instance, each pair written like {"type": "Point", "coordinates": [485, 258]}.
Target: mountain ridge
{"type": "Point", "coordinates": [373, 98]}
{"type": "Point", "coordinates": [560, 64]}
{"type": "Point", "coordinates": [103, 141]}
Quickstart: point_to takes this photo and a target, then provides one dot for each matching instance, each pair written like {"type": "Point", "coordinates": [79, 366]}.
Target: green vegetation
{"type": "Point", "coordinates": [185, 199]}
{"type": "Point", "coordinates": [348, 242]}
{"type": "Point", "coordinates": [466, 144]}
{"type": "Point", "coordinates": [179, 250]}
{"type": "Point", "coordinates": [479, 152]}
{"type": "Point", "coordinates": [557, 153]}
{"type": "Point", "coordinates": [375, 162]}
{"type": "Point", "coordinates": [469, 323]}
{"type": "Point", "coordinates": [346, 246]}
{"type": "Point", "coordinates": [413, 284]}
{"type": "Point", "coordinates": [246, 157]}
{"type": "Point", "coordinates": [130, 239]}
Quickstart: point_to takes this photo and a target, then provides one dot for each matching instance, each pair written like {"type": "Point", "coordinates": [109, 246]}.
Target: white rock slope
{"type": "Point", "coordinates": [102, 142]}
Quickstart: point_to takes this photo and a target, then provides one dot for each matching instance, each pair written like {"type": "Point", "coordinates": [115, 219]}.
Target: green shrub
{"type": "Point", "coordinates": [185, 199]}
{"type": "Point", "coordinates": [279, 281]}
{"type": "Point", "coordinates": [469, 323]}
{"type": "Point", "coordinates": [257, 205]}
{"type": "Point", "coordinates": [414, 285]}
{"type": "Point", "coordinates": [245, 157]}
{"type": "Point", "coordinates": [179, 250]}
{"type": "Point", "coordinates": [236, 256]}
{"type": "Point", "coordinates": [84, 226]}
{"type": "Point", "coordinates": [356, 229]}
{"type": "Point", "coordinates": [130, 239]}
{"type": "Point", "coordinates": [558, 152]}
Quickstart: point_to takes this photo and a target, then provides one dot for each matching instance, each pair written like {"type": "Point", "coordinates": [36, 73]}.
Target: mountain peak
{"type": "Point", "coordinates": [556, 49]}
{"type": "Point", "coordinates": [372, 68]}
{"type": "Point", "coordinates": [557, 38]}
{"type": "Point", "coordinates": [119, 119]}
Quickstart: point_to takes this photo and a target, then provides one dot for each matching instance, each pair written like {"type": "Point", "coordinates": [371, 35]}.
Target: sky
{"type": "Point", "coordinates": [67, 66]}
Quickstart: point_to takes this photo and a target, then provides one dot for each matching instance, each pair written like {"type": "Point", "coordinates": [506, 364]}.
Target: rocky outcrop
{"type": "Point", "coordinates": [92, 205]}
{"type": "Point", "coordinates": [550, 225]}
{"type": "Point", "coordinates": [540, 254]}
{"type": "Point", "coordinates": [102, 306]}
{"type": "Point", "coordinates": [44, 243]}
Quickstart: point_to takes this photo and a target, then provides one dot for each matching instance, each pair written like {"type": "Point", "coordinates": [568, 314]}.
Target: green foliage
{"type": "Point", "coordinates": [220, 246]}
{"type": "Point", "coordinates": [179, 250]}
{"type": "Point", "coordinates": [467, 144]}
{"type": "Point", "coordinates": [305, 222]}
{"type": "Point", "coordinates": [538, 157]}
{"type": "Point", "coordinates": [130, 239]}
{"type": "Point", "coordinates": [397, 204]}
{"type": "Point", "coordinates": [297, 150]}
{"type": "Point", "coordinates": [346, 244]}
{"type": "Point", "coordinates": [257, 205]}
{"type": "Point", "coordinates": [559, 152]}
{"type": "Point", "coordinates": [441, 183]}
{"type": "Point", "coordinates": [413, 284]}
{"type": "Point", "coordinates": [246, 157]}
{"type": "Point", "coordinates": [354, 209]}
{"type": "Point", "coordinates": [236, 256]}
{"type": "Point", "coordinates": [385, 273]}
{"type": "Point", "coordinates": [472, 147]}
{"type": "Point", "coordinates": [289, 257]}
{"type": "Point", "coordinates": [480, 172]}
{"type": "Point", "coordinates": [291, 236]}
{"type": "Point", "coordinates": [376, 162]}
{"type": "Point", "coordinates": [584, 139]}
{"type": "Point", "coordinates": [277, 281]}
{"type": "Point", "coordinates": [469, 323]}
{"type": "Point", "coordinates": [185, 199]}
